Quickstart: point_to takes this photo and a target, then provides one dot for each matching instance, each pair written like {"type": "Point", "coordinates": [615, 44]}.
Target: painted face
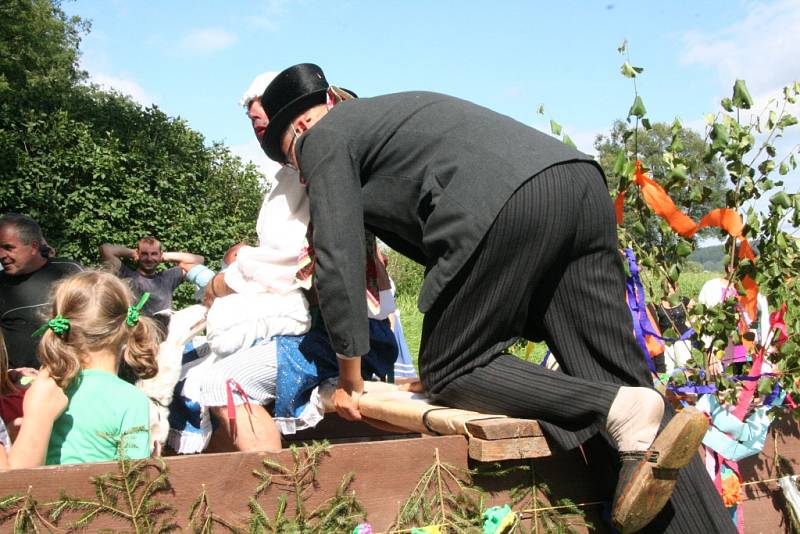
{"type": "Point", "coordinates": [16, 257]}
{"type": "Point", "coordinates": [258, 118]}
{"type": "Point", "coordinates": [149, 257]}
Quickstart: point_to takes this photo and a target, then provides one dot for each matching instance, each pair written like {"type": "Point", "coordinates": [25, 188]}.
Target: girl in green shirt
{"type": "Point", "coordinates": [78, 410]}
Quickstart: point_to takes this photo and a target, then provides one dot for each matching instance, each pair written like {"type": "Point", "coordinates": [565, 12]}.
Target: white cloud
{"type": "Point", "coordinates": [267, 13]}
{"type": "Point", "coordinates": [207, 40]}
{"type": "Point", "coordinates": [252, 152]}
{"type": "Point", "coordinates": [762, 48]}
{"type": "Point", "coordinates": [124, 86]}
{"type": "Point", "coordinates": [262, 23]}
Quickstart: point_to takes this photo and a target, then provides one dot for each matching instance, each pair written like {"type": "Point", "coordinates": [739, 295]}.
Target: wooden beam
{"type": "Point", "coordinates": [765, 507]}
{"type": "Point", "coordinates": [495, 450]}
{"type": "Point", "coordinates": [504, 428]}
{"type": "Point", "coordinates": [412, 412]}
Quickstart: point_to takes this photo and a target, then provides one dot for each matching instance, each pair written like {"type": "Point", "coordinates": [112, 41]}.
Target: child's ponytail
{"type": "Point", "coordinates": [60, 357]}
{"type": "Point", "coordinates": [141, 350]}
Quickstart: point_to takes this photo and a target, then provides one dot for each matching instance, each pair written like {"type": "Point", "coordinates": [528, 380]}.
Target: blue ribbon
{"type": "Point", "coordinates": [731, 438]}
{"type": "Point", "coordinates": [641, 323]}
{"type": "Point", "coordinates": [777, 391]}
{"type": "Point", "coordinates": [701, 389]}
{"type": "Point", "coordinates": [546, 357]}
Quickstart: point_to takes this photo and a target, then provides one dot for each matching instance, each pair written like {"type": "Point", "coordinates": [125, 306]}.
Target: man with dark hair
{"type": "Point", "coordinates": [517, 234]}
{"type": "Point", "coordinates": [146, 278]}
{"type": "Point", "coordinates": [28, 274]}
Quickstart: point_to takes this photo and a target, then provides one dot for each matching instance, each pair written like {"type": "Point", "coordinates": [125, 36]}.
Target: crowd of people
{"type": "Point", "coordinates": [516, 232]}
{"type": "Point", "coordinates": [261, 295]}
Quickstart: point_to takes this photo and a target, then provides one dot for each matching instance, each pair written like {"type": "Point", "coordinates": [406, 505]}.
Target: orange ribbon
{"type": "Point", "coordinates": [654, 345]}
{"type": "Point", "coordinates": [724, 218]}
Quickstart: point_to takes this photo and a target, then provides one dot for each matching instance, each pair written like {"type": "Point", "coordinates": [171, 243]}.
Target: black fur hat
{"type": "Point", "coordinates": [293, 91]}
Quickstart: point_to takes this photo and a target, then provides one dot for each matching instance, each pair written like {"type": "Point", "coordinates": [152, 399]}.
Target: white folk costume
{"type": "Point", "coordinates": [268, 279]}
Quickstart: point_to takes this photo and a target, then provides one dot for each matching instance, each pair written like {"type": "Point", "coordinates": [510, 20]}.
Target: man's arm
{"type": "Point", "coordinates": [349, 388]}
{"type": "Point", "coordinates": [185, 260]}
{"type": "Point", "coordinates": [334, 192]}
{"type": "Point", "coordinates": [111, 254]}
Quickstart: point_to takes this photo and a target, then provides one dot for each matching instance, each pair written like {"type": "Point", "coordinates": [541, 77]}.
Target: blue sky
{"type": "Point", "coordinates": [195, 58]}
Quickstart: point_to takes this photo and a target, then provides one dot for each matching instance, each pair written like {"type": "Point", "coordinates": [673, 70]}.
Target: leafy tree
{"type": "Point", "coordinates": [742, 142]}
{"type": "Point", "coordinates": [93, 166]}
{"type": "Point", "coordinates": [38, 50]}
{"type": "Point", "coordinates": [674, 157]}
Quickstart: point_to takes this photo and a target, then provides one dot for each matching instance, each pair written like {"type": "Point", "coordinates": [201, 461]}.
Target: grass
{"type": "Point", "coordinates": [690, 284]}
{"type": "Point", "coordinates": [411, 318]}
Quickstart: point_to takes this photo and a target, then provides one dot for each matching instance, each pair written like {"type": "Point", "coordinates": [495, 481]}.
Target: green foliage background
{"type": "Point", "coordinates": [741, 142]}
{"type": "Point", "coordinates": [93, 166]}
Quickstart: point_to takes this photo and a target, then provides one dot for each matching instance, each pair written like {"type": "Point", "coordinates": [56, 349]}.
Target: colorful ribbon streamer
{"type": "Point", "coordinates": [726, 219]}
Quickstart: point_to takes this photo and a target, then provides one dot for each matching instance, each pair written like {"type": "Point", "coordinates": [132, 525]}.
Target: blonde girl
{"type": "Point", "coordinates": [78, 409]}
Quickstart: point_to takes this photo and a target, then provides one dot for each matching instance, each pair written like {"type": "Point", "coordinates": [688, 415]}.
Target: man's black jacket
{"type": "Point", "coordinates": [427, 173]}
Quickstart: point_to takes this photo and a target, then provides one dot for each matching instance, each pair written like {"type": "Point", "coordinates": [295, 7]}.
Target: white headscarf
{"type": "Point", "coordinates": [257, 87]}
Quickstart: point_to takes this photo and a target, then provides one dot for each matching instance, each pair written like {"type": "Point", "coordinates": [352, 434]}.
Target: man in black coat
{"type": "Point", "coordinates": [517, 234]}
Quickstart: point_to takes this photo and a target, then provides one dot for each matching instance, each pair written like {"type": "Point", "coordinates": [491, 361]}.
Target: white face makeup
{"type": "Point", "coordinates": [258, 118]}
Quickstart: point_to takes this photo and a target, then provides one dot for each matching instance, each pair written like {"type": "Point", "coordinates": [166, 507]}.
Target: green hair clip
{"type": "Point", "coordinates": [135, 311]}
{"type": "Point", "coordinates": [58, 324]}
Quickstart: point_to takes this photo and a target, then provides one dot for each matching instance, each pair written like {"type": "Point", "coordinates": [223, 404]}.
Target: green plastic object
{"type": "Point", "coordinates": [498, 519]}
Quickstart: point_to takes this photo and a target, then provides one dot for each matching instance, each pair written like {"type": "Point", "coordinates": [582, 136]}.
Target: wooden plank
{"type": "Point", "coordinates": [385, 474]}
{"type": "Point", "coordinates": [504, 428]}
{"type": "Point", "coordinates": [765, 508]}
{"type": "Point", "coordinates": [412, 411]}
{"type": "Point", "coordinates": [337, 430]}
{"type": "Point", "coordinates": [493, 450]}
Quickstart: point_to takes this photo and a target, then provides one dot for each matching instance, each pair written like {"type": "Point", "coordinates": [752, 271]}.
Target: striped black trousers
{"type": "Point", "coordinates": [549, 269]}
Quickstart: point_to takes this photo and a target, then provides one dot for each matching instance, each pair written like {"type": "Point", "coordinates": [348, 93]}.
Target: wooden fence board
{"type": "Point", "coordinates": [385, 473]}
{"type": "Point", "coordinates": [765, 509]}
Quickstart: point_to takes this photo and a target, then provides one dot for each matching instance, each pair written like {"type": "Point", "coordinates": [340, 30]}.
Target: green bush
{"type": "Point", "coordinates": [407, 275]}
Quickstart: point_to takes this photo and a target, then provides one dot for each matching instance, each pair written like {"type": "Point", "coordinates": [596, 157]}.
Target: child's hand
{"type": "Point", "coordinates": [714, 367]}
{"type": "Point", "coordinates": [22, 375]}
{"type": "Point", "coordinates": [44, 398]}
